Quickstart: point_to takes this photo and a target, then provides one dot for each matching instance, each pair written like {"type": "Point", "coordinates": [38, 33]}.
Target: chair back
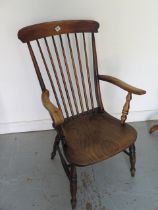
{"type": "Point", "coordinates": [65, 52]}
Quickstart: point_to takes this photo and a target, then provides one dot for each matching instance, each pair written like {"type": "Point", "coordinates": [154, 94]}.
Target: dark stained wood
{"type": "Point", "coordinates": [132, 152]}
{"type": "Point", "coordinates": [48, 73]}
{"type": "Point", "coordinates": [55, 146]}
{"type": "Point", "coordinates": [126, 152]}
{"type": "Point", "coordinates": [87, 134]}
{"type": "Point", "coordinates": [37, 69]}
{"type": "Point", "coordinates": [81, 71]}
{"type": "Point", "coordinates": [88, 72]}
{"type": "Point", "coordinates": [73, 185]}
{"type": "Point", "coordinates": [95, 64]}
{"type": "Point", "coordinates": [62, 75]}
{"type": "Point", "coordinates": [57, 79]}
{"type": "Point", "coordinates": [69, 76]}
{"type": "Point", "coordinates": [64, 163]}
{"type": "Point", "coordinates": [75, 73]}
{"type": "Point", "coordinates": [42, 30]}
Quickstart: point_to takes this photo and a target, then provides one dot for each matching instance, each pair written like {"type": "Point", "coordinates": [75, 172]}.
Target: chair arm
{"type": "Point", "coordinates": [55, 113]}
{"type": "Point", "coordinates": [122, 84]}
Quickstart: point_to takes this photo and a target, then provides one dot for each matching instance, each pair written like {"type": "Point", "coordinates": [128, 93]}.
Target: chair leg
{"type": "Point", "coordinates": [132, 156]}
{"type": "Point", "coordinates": [153, 128]}
{"type": "Point", "coordinates": [73, 185]}
{"type": "Point", "coordinates": [55, 146]}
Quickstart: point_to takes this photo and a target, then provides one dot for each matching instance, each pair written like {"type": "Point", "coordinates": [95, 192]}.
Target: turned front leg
{"type": "Point", "coordinates": [126, 108]}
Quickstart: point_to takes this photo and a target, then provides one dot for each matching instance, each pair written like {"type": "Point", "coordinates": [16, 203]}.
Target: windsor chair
{"type": "Point", "coordinates": [64, 54]}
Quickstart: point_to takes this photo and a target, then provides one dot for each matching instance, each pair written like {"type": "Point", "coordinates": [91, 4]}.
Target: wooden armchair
{"type": "Point", "coordinates": [86, 133]}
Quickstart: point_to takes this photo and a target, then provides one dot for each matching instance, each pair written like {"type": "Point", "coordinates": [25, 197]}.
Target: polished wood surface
{"type": "Point", "coordinates": [121, 84]}
{"type": "Point", "coordinates": [86, 133]}
{"type": "Point", "coordinates": [94, 137]}
{"type": "Point", "coordinates": [42, 30]}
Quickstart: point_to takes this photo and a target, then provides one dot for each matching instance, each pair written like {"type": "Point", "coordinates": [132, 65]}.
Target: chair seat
{"type": "Point", "coordinates": [93, 137]}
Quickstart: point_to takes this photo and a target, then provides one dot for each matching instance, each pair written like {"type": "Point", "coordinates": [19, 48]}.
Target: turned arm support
{"type": "Point", "coordinates": [55, 113]}
{"type": "Point", "coordinates": [126, 107]}
{"type": "Point", "coordinates": [121, 84]}
{"type": "Point", "coordinates": [130, 89]}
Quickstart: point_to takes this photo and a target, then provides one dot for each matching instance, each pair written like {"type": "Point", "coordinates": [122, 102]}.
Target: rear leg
{"type": "Point", "coordinates": [73, 185]}
{"type": "Point", "coordinates": [55, 146]}
{"type": "Point", "coordinates": [132, 157]}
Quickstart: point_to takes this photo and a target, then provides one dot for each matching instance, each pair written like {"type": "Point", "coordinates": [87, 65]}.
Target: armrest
{"type": "Point", "coordinates": [55, 113]}
{"type": "Point", "coordinates": [122, 84]}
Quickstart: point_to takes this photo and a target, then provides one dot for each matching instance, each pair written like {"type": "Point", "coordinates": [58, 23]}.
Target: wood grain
{"type": "Point", "coordinates": [122, 84]}
{"type": "Point", "coordinates": [93, 137]}
{"type": "Point", "coordinates": [87, 133]}
{"type": "Point", "coordinates": [42, 30]}
{"type": "Point", "coordinates": [55, 113]}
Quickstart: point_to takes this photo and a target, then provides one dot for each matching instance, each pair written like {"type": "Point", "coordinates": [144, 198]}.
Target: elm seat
{"type": "Point", "coordinates": [91, 138]}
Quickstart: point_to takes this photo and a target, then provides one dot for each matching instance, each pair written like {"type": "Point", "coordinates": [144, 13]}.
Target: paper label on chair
{"type": "Point", "coordinates": [57, 28]}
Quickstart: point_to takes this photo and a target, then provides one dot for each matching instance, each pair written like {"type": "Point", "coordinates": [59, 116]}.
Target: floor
{"type": "Point", "coordinates": [30, 180]}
